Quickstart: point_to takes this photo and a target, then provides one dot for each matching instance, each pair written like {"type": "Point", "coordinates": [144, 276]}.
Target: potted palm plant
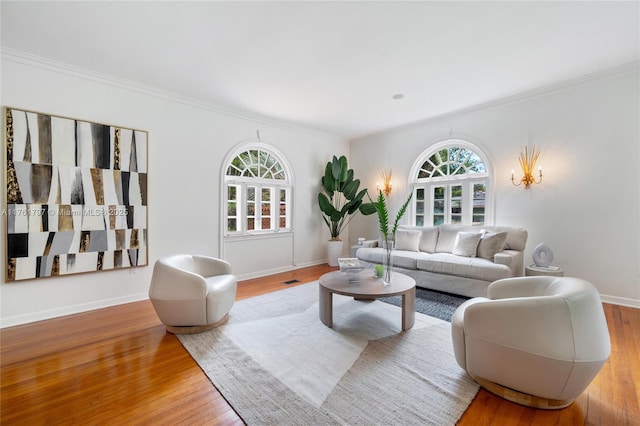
{"type": "Point", "coordinates": [341, 198]}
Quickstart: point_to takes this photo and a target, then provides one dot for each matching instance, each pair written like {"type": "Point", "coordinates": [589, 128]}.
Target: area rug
{"type": "Point", "coordinates": [277, 364]}
{"type": "Point", "coordinates": [433, 303]}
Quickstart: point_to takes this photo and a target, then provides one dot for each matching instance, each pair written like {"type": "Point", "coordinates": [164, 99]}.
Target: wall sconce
{"type": "Point", "coordinates": [528, 162]}
{"type": "Point", "coordinates": [386, 182]}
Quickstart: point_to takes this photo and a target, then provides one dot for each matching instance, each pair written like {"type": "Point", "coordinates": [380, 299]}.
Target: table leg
{"type": "Point", "coordinates": [326, 306]}
{"type": "Point", "coordinates": [408, 309]}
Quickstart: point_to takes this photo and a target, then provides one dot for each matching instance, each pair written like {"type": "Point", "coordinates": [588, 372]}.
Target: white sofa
{"type": "Point", "coordinates": [458, 259]}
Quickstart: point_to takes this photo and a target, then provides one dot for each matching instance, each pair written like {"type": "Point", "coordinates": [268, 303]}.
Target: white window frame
{"type": "Point", "coordinates": [242, 183]}
{"type": "Point", "coordinates": [467, 182]}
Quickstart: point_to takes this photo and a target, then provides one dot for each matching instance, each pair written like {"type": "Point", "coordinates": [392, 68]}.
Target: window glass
{"type": "Point", "coordinates": [232, 208]}
{"type": "Point", "coordinates": [283, 209]}
{"type": "Point", "coordinates": [456, 204]}
{"type": "Point", "coordinates": [419, 196]}
{"type": "Point", "coordinates": [479, 197]}
{"type": "Point", "coordinates": [438, 205]}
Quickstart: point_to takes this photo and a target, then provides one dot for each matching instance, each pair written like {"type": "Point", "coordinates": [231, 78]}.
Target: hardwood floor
{"type": "Point", "coordinates": [119, 366]}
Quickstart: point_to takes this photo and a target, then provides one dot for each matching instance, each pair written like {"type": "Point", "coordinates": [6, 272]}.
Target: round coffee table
{"type": "Point", "coordinates": [367, 288]}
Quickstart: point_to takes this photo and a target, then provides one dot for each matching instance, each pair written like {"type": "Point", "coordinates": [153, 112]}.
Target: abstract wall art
{"type": "Point", "coordinates": [76, 196]}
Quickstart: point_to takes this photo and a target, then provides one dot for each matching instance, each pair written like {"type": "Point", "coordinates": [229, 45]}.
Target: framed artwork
{"type": "Point", "coordinates": [76, 196]}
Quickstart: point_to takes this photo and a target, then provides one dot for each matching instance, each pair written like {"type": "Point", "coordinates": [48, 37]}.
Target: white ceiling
{"type": "Point", "coordinates": [332, 66]}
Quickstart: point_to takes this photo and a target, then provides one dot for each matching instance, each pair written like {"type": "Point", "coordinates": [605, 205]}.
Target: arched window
{"type": "Point", "coordinates": [451, 184]}
{"type": "Point", "coordinates": [257, 191]}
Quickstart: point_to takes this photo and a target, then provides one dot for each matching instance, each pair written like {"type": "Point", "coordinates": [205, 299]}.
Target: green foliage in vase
{"type": "Point", "coordinates": [383, 214]}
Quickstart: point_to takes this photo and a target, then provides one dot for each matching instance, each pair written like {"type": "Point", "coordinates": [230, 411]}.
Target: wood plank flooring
{"type": "Point", "coordinates": [119, 366]}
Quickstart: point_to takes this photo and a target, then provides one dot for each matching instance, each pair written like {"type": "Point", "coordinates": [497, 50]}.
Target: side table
{"type": "Point", "coordinates": [551, 271]}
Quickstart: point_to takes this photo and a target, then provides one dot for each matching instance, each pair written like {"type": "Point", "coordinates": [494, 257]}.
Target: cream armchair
{"type": "Point", "coordinates": [538, 341]}
{"type": "Point", "coordinates": [192, 293]}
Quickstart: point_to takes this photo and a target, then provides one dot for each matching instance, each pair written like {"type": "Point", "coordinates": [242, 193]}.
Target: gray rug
{"type": "Point", "coordinates": [277, 364]}
{"type": "Point", "coordinates": [433, 303]}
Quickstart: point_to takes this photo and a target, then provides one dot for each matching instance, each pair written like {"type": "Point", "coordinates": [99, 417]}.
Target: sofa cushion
{"type": "Point", "coordinates": [400, 258]}
{"type": "Point", "coordinates": [516, 237]}
{"type": "Point", "coordinates": [428, 237]}
{"type": "Point", "coordinates": [466, 244]}
{"type": "Point", "coordinates": [490, 244]}
{"type": "Point", "coordinates": [370, 254]}
{"type": "Point", "coordinates": [407, 259]}
{"type": "Point", "coordinates": [468, 267]}
{"type": "Point", "coordinates": [447, 238]}
{"type": "Point", "coordinates": [407, 240]}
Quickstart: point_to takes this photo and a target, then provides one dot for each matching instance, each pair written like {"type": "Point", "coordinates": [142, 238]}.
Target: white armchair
{"type": "Point", "coordinates": [538, 341]}
{"type": "Point", "coordinates": [192, 293]}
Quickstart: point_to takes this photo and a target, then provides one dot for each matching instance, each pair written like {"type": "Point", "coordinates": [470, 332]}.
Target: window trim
{"type": "Point", "coordinates": [413, 182]}
{"type": "Point", "coordinates": [243, 182]}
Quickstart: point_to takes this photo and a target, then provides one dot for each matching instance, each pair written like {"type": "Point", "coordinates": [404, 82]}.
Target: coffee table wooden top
{"type": "Point", "coordinates": [338, 282]}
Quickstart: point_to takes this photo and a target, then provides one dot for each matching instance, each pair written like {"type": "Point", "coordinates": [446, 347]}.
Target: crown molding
{"type": "Point", "coordinates": [48, 64]}
{"type": "Point", "coordinates": [519, 97]}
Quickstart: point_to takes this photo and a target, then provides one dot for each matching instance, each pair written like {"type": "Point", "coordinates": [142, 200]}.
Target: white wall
{"type": "Point", "coordinates": [587, 208]}
{"type": "Point", "coordinates": [187, 145]}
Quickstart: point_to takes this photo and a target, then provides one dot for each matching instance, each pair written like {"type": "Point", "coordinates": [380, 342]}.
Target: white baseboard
{"type": "Point", "coordinates": [623, 301]}
{"type": "Point", "coordinates": [70, 310]}
{"type": "Point", "coordinates": [99, 304]}
{"type": "Point", "coordinates": [279, 270]}
{"type": "Point", "coordinates": [85, 307]}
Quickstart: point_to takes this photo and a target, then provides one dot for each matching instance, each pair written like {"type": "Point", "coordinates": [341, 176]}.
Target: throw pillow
{"type": "Point", "coordinates": [407, 240]}
{"type": "Point", "coordinates": [428, 239]}
{"type": "Point", "coordinates": [446, 238]}
{"type": "Point", "coordinates": [490, 244]}
{"type": "Point", "coordinates": [466, 244]}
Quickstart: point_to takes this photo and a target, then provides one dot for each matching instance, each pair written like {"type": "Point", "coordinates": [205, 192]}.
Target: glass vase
{"type": "Point", "coordinates": [387, 261]}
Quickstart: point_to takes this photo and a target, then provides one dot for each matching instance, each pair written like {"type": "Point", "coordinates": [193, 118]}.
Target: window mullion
{"type": "Point", "coordinates": [276, 207]}
{"type": "Point", "coordinates": [258, 209]}
{"type": "Point", "coordinates": [447, 204]}
{"type": "Point", "coordinates": [275, 204]}
{"type": "Point", "coordinates": [242, 207]}
{"type": "Point", "coordinates": [467, 202]}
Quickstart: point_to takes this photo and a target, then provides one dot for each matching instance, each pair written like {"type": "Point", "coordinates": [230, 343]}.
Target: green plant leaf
{"type": "Point", "coordinates": [328, 183]}
{"type": "Point", "coordinates": [349, 176]}
{"type": "Point", "coordinates": [344, 169]}
{"type": "Point", "coordinates": [325, 205]}
{"type": "Point", "coordinates": [360, 195]}
{"type": "Point", "coordinates": [352, 206]}
{"type": "Point", "coordinates": [368, 208]}
{"type": "Point", "coordinates": [351, 189]}
{"type": "Point", "coordinates": [401, 213]}
{"type": "Point", "coordinates": [383, 214]}
{"type": "Point", "coordinates": [335, 168]}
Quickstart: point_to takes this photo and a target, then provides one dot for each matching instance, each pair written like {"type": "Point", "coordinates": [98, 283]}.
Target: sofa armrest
{"type": "Point", "coordinates": [370, 243]}
{"type": "Point", "coordinates": [514, 259]}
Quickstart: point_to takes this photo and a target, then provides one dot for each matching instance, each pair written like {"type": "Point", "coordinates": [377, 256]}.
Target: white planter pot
{"type": "Point", "coordinates": [335, 251]}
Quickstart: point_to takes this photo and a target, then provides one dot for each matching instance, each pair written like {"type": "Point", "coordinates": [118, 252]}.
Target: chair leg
{"type": "Point", "coordinates": [520, 397]}
{"type": "Point", "coordinates": [193, 329]}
